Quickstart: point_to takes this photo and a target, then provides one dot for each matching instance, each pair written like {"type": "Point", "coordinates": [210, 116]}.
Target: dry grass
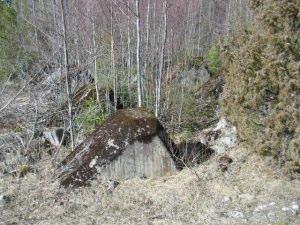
{"type": "Point", "coordinates": [179, 199]}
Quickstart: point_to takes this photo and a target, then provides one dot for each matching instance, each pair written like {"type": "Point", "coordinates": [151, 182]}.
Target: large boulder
{"type": "Point", "coordinates": [131, 143]}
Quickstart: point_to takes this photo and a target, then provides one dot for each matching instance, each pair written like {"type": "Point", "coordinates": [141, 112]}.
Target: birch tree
{"type": "Point", "coordinates": [161, 60]}
{"type": "Point", "coordinates": [95, 66]}
{"type": "Point", "coordinates": [128, 52]}
{"type": "Point", "coordinates": [138, 54]}
{"type": "Point", "coordinates": [66, 70]}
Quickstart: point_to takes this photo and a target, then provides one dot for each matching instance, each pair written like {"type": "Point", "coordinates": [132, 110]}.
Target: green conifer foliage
{"type": "Point", "coordinates": [214, 61]}
{"type": "Point", "coordinates": [262, 73]}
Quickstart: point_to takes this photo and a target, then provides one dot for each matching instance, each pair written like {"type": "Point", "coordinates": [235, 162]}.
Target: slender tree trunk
{"type": "Point", "coordinates": [55, 26]}
{"type": "Point", "coordinates": [166, 103]}
{"type": "Point", "coordinates": [95, 66]}
{"type": "Point", "coordinates": [35, 19]}
{"type": "Point", "coordinates": [128, 55]}
{"type": "Point", "coordinates": [181, 104]}
{"type": "Point", "coordinates": [113, 69]}
{"type": "Point", "coordinates": [66, 70]}
{"type": "Point", "coordinates": [161, 60]}
{"type": "Point", "coordinates": [146, 55]}
{"type": "Point", "coordinates": [138, 54]}
{"type": "Point", "coordinates": [123, 68]}
{"type": "Point", "coordinates": [200, 35]}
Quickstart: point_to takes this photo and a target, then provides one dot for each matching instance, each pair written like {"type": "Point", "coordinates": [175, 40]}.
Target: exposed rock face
{"type": "Point", "coordinates": [141, 160]}
{"type": "Point", "coordinates": [193, 76]}
{"type": "Point", "coordinates": [221, 137]}
{"type": "Point", "coordinates": [131, 143]}
{"type": "Point", "coordinates": [132, 138]}
{"type": "Point", "coordinates": [207, 102]}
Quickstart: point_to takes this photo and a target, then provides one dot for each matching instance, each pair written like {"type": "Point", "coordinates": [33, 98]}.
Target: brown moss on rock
{"type": "Point", "coordinates": [128, 133]}
{"type": "Point", "coordinates": [108, 142]}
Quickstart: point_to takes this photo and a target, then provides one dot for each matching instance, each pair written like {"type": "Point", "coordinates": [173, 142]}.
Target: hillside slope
{"type": "Point", "coordinates": [249, 192]}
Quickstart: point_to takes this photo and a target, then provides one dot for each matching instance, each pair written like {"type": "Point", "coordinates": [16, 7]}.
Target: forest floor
{"type": "Point", "coordinates": [251, 191]}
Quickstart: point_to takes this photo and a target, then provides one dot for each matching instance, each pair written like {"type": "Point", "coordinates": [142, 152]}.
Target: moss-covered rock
{"type": "Point", "coordinates": [108, 142]}
{"type": "Point", "coordinates": [130, 143]}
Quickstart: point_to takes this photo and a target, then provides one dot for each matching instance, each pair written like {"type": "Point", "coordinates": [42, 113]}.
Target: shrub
{"type": "Point", "coordinates": [90, 116]}
{"type": "Point", "coordinates": [213, 60]}
{"type": "Point", "coordinates": [195, 62]}
{"type": "Point", "coordinates": [261, 69]}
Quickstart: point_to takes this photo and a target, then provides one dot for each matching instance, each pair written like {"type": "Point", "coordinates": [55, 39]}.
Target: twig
{"type": "Point", "coordinates": [34, 127]}
{"type": "Point", "coordinates": [19, 92]}
{"type": "Point", "coordinates": [6, 83]}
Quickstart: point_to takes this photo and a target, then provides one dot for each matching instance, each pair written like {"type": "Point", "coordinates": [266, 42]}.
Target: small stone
{"type": "Point", "coordinates": [224, 162]}
{"type": "Point", "coordinates": [1, 200]}
{"type": "Point", "coordinates": [111, 185]}
{"type": "Point", "coordinates": [246, 196]}
{"type": "Point", "coordinates": [226, 199]}
{"type": "Point", "coordinates": [236, 214]}
{"type": "Point", "coordinates": [285, 209]}
{"type": "Point", "coordinates": [295, 206]}
{"type": "Point", "coordinates": [4, 199]}
{"type": "Point", "coordinates": [264, 207]}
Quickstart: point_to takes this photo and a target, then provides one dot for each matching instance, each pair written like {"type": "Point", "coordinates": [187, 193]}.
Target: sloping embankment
{"type": "Point", "coordinates": [249, 192]}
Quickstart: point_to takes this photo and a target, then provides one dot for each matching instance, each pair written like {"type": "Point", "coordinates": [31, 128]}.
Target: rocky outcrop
{"type": "Point", "coordinates": [221, 137]}
{"type": "Point", "coordinates": [194, 76]}
{"type": "Point", "coordinates": [207, 102]}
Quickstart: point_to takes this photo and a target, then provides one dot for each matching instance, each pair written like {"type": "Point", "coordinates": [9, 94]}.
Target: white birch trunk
{"type": "Point", "coordinates": [113, 70]}
{"type": "Point", "coordinates": [95, 66]}
{"type": "Point", "coordinates": [65, 66]}
{"type": "Point", "coordinates": [161, 60]}
{"type": "Point", "coordinates": [138, 54]}
{"type": "Point", "coordinates": [128, 55]}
